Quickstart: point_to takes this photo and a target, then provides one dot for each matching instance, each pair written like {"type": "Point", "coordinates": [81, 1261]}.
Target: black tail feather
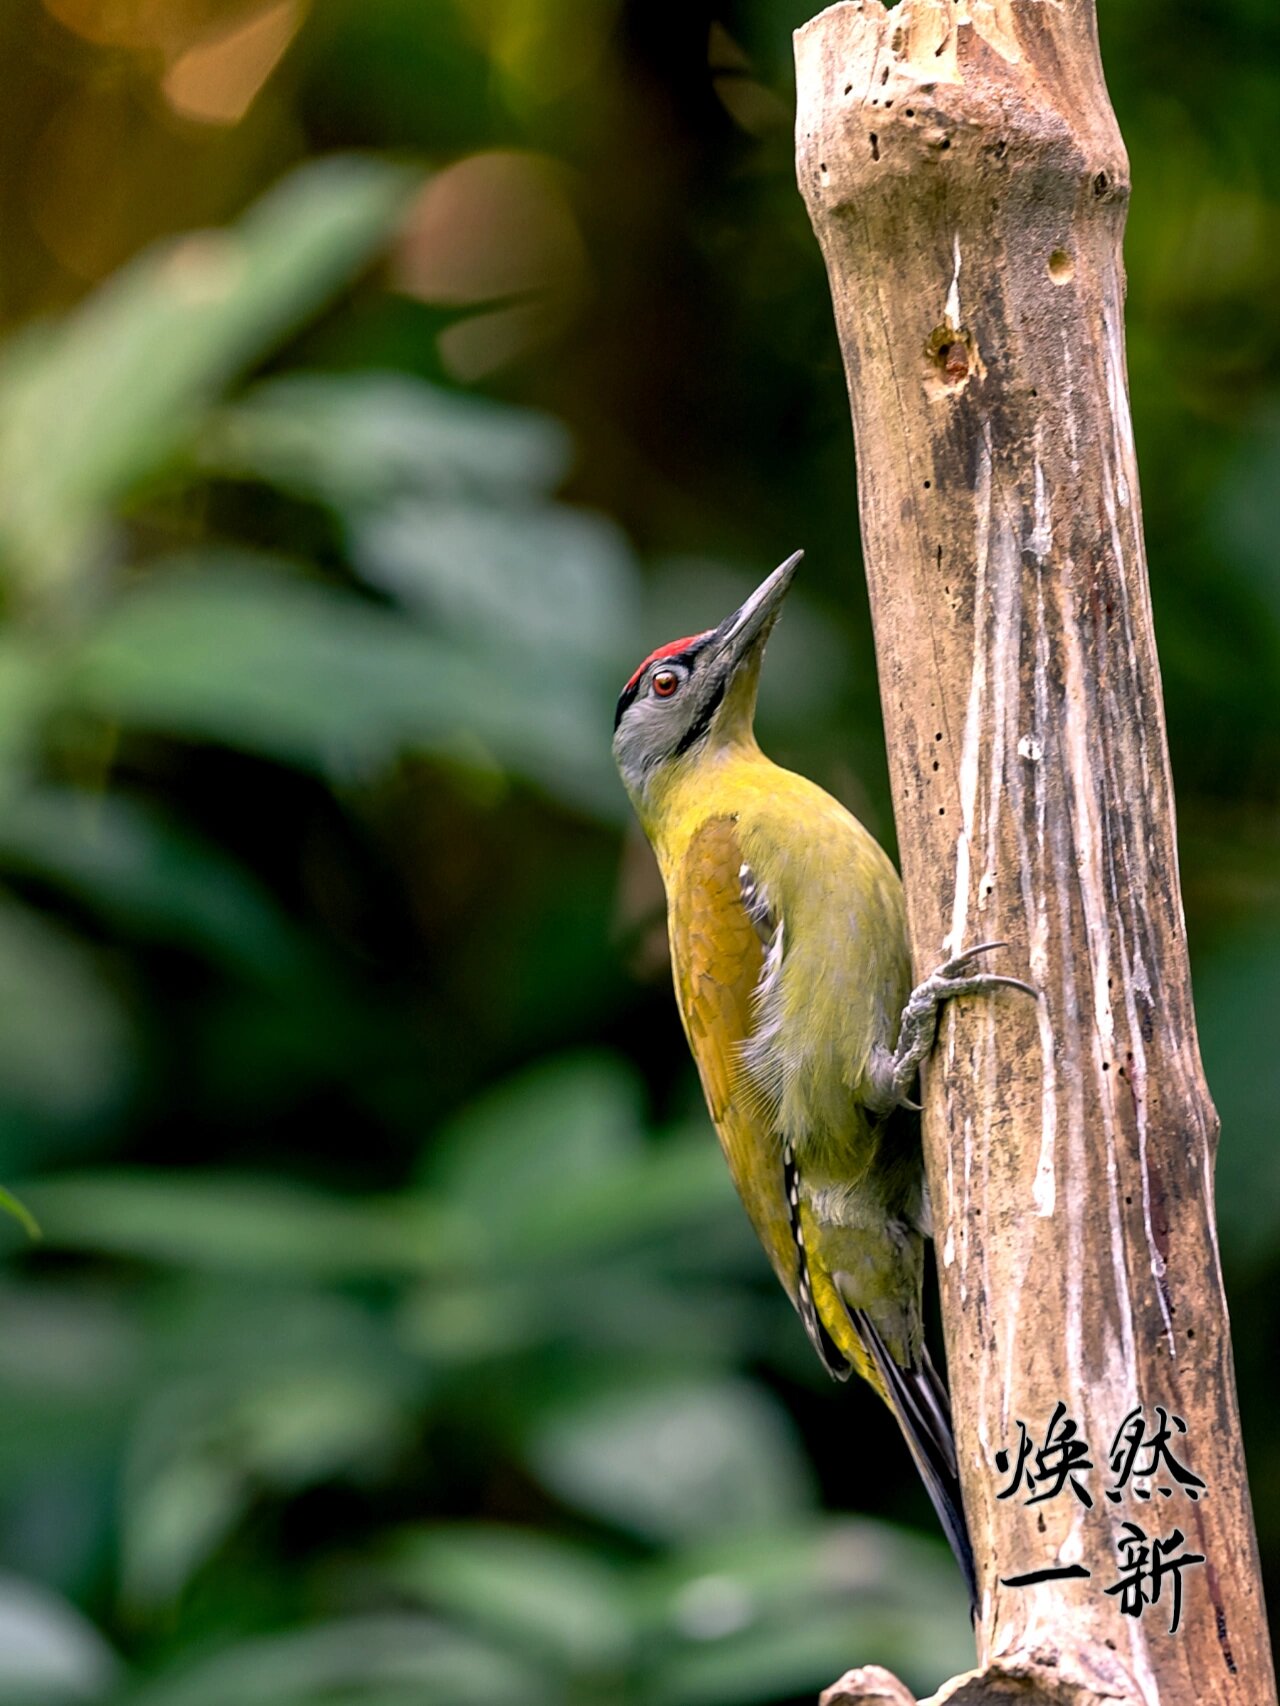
{"type": "Point", "coordinates": [919, 1401]}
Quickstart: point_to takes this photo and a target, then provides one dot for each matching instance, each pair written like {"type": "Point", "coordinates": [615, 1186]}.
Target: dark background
{"type": "Point", "coordinates": [380, 381]}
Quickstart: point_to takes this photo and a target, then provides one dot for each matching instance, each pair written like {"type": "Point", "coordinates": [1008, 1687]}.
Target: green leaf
{"type": "Point", "coordinates": [502, 577]}
{"type": "Point", "coordinates": [578, 1223]}
{"type": "Point", "coordinates": [174, 1521]}
{"type": "Point", "coordinates": [798, 1658]}
{"type": "Point", "coordinates": [672, 1459]}
{"type": "Point", "coordinates": [777, 1611]}
{"type": "Point", "coordinates": [217, 1221]}
{"type": "Point", "coordinates": [310, 1424]}
{"type": "Point", "coordinates": [809, 1556]}
{"type": "Point", "coordinates": [555, 1600]}
{"type": "Point", "coordinates": [673, 1186]}
{"type": "Point", "coordinates": [356, 441]}
{"type": "Point", "coordinates": [9, 1204]}
{"type": "Point", "coordinates": [362, 1661]}
{"type": "Point", "coordinates": [29, 681]}
{"type": "Point", "coordinates": [564, 1120]}
{"type": "Point", "coordinates": [206, 1449]}
{"type": "Point", "coordinates": [103, 402]}
{"type": "Point", "coordinates": [63, 1033]}
{"type": "Point", "coordinates": [231, 650]}
{"type": "Point", "coordinates": [622, 1305]}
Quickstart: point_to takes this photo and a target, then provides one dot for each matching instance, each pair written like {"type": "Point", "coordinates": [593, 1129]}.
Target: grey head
{"type": "Point", "coordinates": [697, 692]}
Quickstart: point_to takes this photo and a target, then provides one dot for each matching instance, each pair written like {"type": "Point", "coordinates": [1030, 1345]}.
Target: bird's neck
{"type": "Point", "coordinates": [684, 794]}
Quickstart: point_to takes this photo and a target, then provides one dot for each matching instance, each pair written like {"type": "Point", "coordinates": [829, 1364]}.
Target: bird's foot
{"type": "Point", "coordinates": [893, 1073]}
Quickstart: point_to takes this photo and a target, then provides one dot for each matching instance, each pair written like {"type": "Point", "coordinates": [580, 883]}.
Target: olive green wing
{"type": "Point", "coordinates": [721, 934]}
{"type": "Point", "coordinates": [717, 955]}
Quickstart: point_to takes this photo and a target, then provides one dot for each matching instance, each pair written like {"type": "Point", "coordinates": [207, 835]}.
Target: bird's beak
{"type": "Point", "coordinates": [751, 622]}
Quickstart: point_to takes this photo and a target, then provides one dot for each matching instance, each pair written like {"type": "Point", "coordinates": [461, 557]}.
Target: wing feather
{"type": "Point", "coordinates": [718, 957]}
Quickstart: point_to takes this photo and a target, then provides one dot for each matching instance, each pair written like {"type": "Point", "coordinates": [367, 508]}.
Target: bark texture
{"type": "Point", "coordinates": [968, 184]}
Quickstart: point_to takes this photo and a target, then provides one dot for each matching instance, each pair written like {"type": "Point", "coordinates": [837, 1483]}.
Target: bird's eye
{"type": "Point", "coordinates": [665, 683]}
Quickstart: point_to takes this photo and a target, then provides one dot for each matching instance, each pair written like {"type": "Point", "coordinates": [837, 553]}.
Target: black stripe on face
{"type": "Point", "coordinates": [702, 722]}
{"type": "Point", "coordinates": [629, 694]}
{"type": "Point", "coordinates": [626, 699]}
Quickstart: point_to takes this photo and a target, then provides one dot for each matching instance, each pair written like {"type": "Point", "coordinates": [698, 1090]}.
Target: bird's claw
{"type": "Point", "coordinates": [943, 984]}
{"type": "Point", "coordinates": [920, 1017]}
{"type": "Point", "coordinates": [953, 976]}
{"type": "Point", "coordinates": [952, 967]}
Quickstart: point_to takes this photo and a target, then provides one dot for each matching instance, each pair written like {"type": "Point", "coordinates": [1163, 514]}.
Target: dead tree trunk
{"type": "Point", "coordinates": [967, 182]}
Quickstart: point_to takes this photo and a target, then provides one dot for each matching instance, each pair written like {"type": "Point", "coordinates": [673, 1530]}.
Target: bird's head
{"type": "Point", "coordinates": [695, 696]}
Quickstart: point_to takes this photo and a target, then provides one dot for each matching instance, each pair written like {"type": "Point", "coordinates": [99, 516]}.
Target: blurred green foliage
{"type": "Point", "coordinates": [394, 1335]}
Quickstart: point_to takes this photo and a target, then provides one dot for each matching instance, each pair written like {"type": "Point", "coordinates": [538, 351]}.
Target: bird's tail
{"type": "Point", "coordinates": [919, 1400]}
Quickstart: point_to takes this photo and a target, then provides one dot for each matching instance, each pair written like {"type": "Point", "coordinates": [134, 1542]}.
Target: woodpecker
{"type": "Point", "coordinates": [793, 979]}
